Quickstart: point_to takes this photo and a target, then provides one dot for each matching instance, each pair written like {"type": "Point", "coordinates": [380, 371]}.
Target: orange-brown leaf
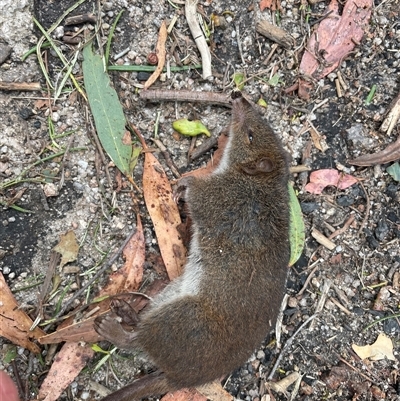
{"type": "Point", "coordinates": [160, 51]}
{"type": "Point", "coordinates": [273, 5]}
{"type": "Point", "coordinates": [164, 214]}
{"type": "Point", "coordinates": [14, 322]}
{"type": "Point", "coordinates": [67, 364]}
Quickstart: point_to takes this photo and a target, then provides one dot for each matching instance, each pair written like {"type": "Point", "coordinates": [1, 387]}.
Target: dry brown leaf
{"type": "Point", "coordinates": [160, 51]}
{"type": "Point", "coordinates": [164, 214]}
{"type": "Point", "coordinates": [334, 39]}
{"type": "Point", "coordinates": [184, 395]}
{"type": "Point", "coordinates": [67, 364]}
{"type": "Point", "coordinates": [68, 248]}
{"type": "Point", "coordinates": [128, 278]}
{"type": "Point", "coordinates": [15, 324]}
{"type": "Point", "coordinates": [273, 5]}
{"type": "Point", "coordinates": [382, 348]}
{"type": "Point", "coordinates": [214, 391]}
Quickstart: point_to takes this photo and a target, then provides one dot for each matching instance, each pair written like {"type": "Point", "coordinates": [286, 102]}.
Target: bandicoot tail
{"type": "Point", "coordinates": [148, 385]}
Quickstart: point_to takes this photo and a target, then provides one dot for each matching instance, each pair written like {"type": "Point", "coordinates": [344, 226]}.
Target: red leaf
{"type": "Point", "coordinates": [322, 178]}
{"type": "Point", "coordinates": [334, 39]}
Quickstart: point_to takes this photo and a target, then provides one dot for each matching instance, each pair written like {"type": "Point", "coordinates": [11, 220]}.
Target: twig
{"type": "Point", "coordinates": [203, 148]}
{"type": "Point", "coordinates": [321, 19]}
{"type": "Point", "coordinates": [309, 277]}
{"type": "Point", "coordinates": [367, 209]}
{"type": "Point", "coordinates": [357, 370]}
{"type": "Point", "coordinates": [275, 33]}
{"type": "Point", "coordinates": [79, 19]}
{"type": "Point", "coordinates": [239, 42]}
{"type": "Point", "coordinates": [54, 260]}
{"type": "Point", "coordinates": [321, 239]}
{"type": "Point", "coordinates": [340, 306]}
{"type": "Point", "coordinates": [344, 228]}
{"type": "Point", "coordinates": [167, 158]}
{"type": "Point", "coordinates": [157, 95]}
{"type": "Point", "coordinates": [278, 325]}
{"type": "Point", "coordinates": [287, 345]}
{"type": "Point", "coordinates": [200, 40]}
{"type": "Point", "coordinates": [17, 377]}
{"type": "Point", "coordinates": [20, 86]}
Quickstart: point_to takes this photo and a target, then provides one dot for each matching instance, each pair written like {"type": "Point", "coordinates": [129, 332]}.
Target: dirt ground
{"type": "Point", "coordinates": [353, 288]}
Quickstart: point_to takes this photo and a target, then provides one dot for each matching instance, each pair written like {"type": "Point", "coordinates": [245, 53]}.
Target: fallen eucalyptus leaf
{"type": "Point", "coordinates": [296, 229]}
{"type": "Point", "coordinates": [107, 111]}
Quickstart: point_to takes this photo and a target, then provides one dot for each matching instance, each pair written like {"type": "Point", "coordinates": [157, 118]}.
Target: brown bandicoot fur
{"type": "Point", "coordinates": [208, 322]}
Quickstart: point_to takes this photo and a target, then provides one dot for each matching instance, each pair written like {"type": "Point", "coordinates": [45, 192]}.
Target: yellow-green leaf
{"type": "Point", "coordinates": [261, 102]}
{"type": "Point", "coordinates": [238, 79]}
{"type": "Point", "coordinates": [190, 128]}
{"type": "Point", "coordinates": [296, 230]}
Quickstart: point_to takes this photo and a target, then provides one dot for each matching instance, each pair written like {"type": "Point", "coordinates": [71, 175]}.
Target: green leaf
{"type": "Point", "coordinates": [190, 128]}
{"type": "Point", "coordinates": [296, 229]}
{"type": "Point", "coordinates": [107, 111]}
{"type": "Point", "coordinates": [394, 171]}
{"type": "Point", "coordinates": [275, 80]}
{"type": "Point", "coordinates": [239, 79]}
{"type": "Point", "coordinates": [261, 102]}
{"type": "Point", "coordinates": [10, 355]}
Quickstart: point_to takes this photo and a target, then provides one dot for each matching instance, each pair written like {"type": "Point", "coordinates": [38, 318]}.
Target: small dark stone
{"type": "Point", "coordinates": [5, 51]}
{"type": "Point", "coordinates": [290, 311]}
{"type": "Point", "coordinates": [372, 242]}
{"type": "Point", "coordinates": [382, 230]}
{"type": "Point", "coordinates": [308, 207]}
{"type": "Point", "coordinates": [25, 113]}
{"type": "Point", "coordinates": [391, 326]}
{"type": "Point", "coordinates": [143, 76]}
{"type": "Point", "coordinates": [391, 190]}
{"type": "Point", "coordinates": [37, 124]}
{"type": "Point", "coordinates": [358, 311]}
{"type": "Point", "coordinates": [392, 216]}
{"type": "Point", "coordinates": [345, 200]}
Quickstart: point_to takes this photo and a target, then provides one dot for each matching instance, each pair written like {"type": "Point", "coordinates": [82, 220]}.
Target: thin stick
{"type": "Point", "coordinates": [200, 40]}
{"type": "Point", "coordinates": [239, 42]}
{"type": "Point", "coordinates": [368, 207]}
{"type": "Point", "coordinates": [287, 345]}
{"type": "Point", "coordinates": [20, 86]}
{"type": "Point", "coordinates": [167, 158]}
{"type": "Point", "coordinates": [158, 95]}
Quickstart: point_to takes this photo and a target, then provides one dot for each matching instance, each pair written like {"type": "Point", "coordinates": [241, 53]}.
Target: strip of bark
{"type": "Point", "coordinates": [274, 33]}
{"type": "Point", "coordinates": [200, 40]}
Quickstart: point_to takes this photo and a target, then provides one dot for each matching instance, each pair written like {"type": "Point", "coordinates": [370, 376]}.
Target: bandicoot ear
{"type": "Point", "coordinates": [262, 166]}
